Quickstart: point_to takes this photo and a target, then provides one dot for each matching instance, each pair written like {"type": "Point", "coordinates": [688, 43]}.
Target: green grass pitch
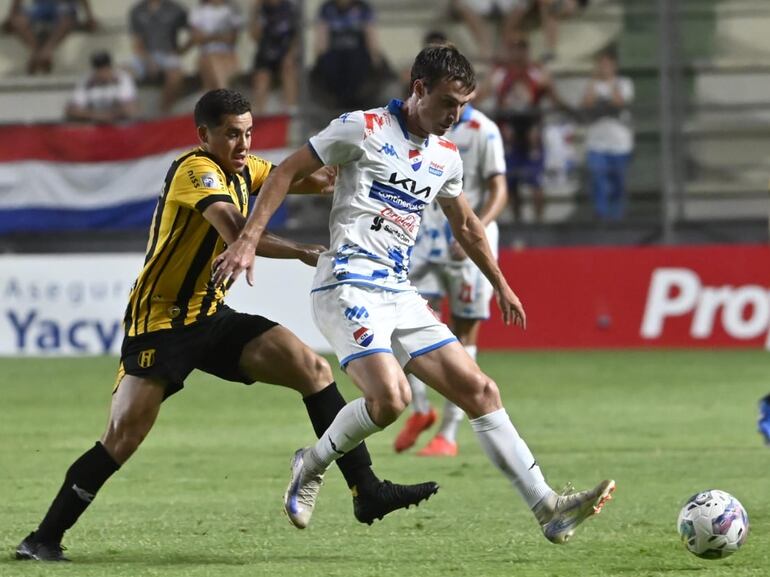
{"type": "Point", "coordinates": [203, 494]}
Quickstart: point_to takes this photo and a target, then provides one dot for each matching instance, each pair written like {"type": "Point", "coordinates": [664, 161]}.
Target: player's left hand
{"type": "Point", "coordinates": [456, 252]}
{"type": "Point", "coordinates": [229, 265]}
{"type": "Point", "coordinates": [311, 253]}
{"type": "Point", "coordinates": [510, 305]}
{"type": "Point", "coordinates": [328, 177]}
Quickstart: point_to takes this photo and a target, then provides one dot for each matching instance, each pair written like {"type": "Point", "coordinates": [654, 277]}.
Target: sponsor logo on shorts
{"type": "Point", "coordinates": [146, 358]}
{"type": "Point", "coordinates": [356, 313]}
{"type": "Point", "coordinates": [364, 336]}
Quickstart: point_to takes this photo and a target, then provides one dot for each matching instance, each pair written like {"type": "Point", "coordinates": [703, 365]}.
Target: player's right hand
{"type": "Point", "coordinates": [229, 265]}
{"type": "Point", "coordinates": [511, 307]}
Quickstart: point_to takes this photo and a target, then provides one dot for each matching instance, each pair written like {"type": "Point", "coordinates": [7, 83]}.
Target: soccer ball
{"type": "Point", "coordinates": [713, 524]}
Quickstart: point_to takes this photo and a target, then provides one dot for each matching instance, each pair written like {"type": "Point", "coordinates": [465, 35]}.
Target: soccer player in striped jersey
{"type": "Point", "coordinates": [176, 321]}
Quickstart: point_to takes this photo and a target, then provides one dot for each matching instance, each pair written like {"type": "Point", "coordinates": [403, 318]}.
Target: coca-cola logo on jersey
{"type": "Point", "coordinates": [743, 311]}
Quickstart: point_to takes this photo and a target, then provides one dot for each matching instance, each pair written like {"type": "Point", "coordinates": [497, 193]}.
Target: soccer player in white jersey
{"type": "Point", "coordinates": [392, 163]}
{"type": "Point", "coordinates": [440, 267]}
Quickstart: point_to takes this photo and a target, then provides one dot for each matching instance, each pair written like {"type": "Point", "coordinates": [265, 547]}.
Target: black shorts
{"type": "Point", "coordinates": [213, 345]}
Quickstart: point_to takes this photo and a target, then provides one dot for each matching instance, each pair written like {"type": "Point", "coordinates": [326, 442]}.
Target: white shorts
{"type": "Point", "coordinates": [486, 7]}
{"type": "Point", "coordinates": [468, 289]}
{"type": "Point", "coordinates": [359, 321]}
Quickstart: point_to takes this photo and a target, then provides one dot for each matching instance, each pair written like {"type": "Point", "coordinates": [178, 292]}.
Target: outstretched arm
{"type": "Point", "coordinates": [239, 255]}
{"type": "Point", "coordinates": [469, 232]}
{"type": "Point", "coordinates": [229, 222]}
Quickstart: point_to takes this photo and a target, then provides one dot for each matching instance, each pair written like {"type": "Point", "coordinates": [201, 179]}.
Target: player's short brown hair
{"type": "Point", "coordinates": [439, 62]}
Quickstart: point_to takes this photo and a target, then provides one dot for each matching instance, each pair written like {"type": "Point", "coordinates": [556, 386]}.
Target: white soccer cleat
{"type": "Point", "coordinates": [302, 492]}
{"type": "Point", "coordinates": [571, 509]}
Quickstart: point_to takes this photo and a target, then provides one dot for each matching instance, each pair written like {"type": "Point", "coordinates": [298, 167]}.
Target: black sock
{"type": "Point", "coordinates": [83, 479]}
{"type": "Point", "coordinates": [322, 407]}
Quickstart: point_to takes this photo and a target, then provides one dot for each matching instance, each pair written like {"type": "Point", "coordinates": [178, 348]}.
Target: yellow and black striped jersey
{"type": "Point", "coordinates": [174, 288]}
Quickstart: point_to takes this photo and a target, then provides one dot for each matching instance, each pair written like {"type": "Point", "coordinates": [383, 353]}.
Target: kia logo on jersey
{"type": "Point", "coordinates": [415, 158]}
{"type": "Point", "coordinates": [363, 336]}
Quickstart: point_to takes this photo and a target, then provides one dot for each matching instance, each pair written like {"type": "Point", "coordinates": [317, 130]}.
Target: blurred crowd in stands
{"type": "Point", "coordinates": [350, 70]}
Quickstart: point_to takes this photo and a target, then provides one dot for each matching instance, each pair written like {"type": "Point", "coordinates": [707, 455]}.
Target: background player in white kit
{"type": "Point", "coordinates": [392, 164]}
{"type": "Point", "coordinates": [440, 267]}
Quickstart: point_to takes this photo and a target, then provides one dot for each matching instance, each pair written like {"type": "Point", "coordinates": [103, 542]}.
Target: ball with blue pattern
{"type": "Point", "coordinates": [713, 524]}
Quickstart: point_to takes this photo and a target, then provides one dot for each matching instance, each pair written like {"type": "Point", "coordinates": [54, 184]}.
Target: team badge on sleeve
{"type": "Point", "coordinates": [210, 180]}
{"type": "Point", "coordinates": [364, 336]}
{"type": "Point", "coordinates": [415, 159]}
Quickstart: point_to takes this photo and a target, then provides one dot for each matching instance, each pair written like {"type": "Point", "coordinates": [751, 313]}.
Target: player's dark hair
{"type": "Point", "coordinates": [439, 62]}
{"type": "Point", "coordinates": [215, 104]}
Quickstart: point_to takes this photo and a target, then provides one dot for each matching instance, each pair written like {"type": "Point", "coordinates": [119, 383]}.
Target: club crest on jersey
{"type": "Point", "coordinates": [415, 159]}
{"type": "Point", "coordinates": [364, 336]}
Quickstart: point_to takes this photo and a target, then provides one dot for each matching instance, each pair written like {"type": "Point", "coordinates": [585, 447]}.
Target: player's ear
{"type": "Point", "coordinates": [419, 88]}
{"type": "Point", "coordinates": [203, 133]}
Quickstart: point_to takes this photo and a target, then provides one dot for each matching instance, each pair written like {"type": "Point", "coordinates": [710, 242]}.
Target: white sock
{"type": "Point", "coordinates": [507, 450]}
{"type": "Point", "coordinates": [420, 402]}
{"type": "Point", "coordinates": [451, 419]}
{"type": "Point", "coordinates": [471, 350]}
{"type": "Point", "coordinates": [351, 426]}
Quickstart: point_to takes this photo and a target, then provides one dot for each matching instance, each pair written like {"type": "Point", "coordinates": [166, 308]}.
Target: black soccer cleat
{"type": "Point", "coordinates": [32, 549]}
{"type": "Point", "coordinates": [376, 501]}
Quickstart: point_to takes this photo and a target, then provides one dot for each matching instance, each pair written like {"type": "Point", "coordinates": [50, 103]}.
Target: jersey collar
{"type": "Point", "coordinates": [466, 115]}
{"type": "Point", "coordinates": [395, 107]}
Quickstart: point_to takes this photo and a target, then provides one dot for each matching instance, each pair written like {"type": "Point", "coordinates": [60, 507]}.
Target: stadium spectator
{"type": "Point", "coordinates": [274, 27]}
{"type": "Point", "coordinates": [106, 94]}
{"type": "Point", "coordinates": [474, 12]}
{"type": "Point", "coordinates": [176, 322]}
{"type": "Point", "coordinates": [551, 12]}
{"type": "Point", "coordinates": [610, 140]}
{"type": "Point", "coordinates": [155, 26]}
{"type": "Point", "coordinates": [518, 86]}
{"type": "Point", "coordinates": [364, 304]}
{"type": "Point", "coordinates": [214, 27]}
{"type": "Point", "coordinates": [350, 67]}
{"type": "Point", "coordinates": [42, 25]}
{"type": "Point", "coordinates": [431, 37]}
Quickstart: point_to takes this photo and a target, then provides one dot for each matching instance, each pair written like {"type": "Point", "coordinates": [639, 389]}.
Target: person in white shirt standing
{"type": "Point", "coordinates": [610, 140]}
{"type": "Point", "coordinates": [440, 267]}
{"type": "Point", "coordinates": [392, 163]}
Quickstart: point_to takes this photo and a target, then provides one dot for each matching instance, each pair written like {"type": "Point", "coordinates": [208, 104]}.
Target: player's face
{"type": "Point", "coordinates": [230, 141]}
{"type": "Point", "coordinates": [439, 108]}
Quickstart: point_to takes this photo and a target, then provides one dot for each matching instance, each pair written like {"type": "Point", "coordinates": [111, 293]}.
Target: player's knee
{"type": "Point", "coordinates": [322, 372]}
{"type": "Point", "coordinates": [317, 372]}
{"type": "Point", "coordinates": [484, 396]}
{"type": "Point", "coordinates": [388, 405]}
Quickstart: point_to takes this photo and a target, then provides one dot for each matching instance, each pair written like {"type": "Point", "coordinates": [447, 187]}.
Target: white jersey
{"type": "Point", "coordinates": [481, 149]}
{"type": "Point", "coordinates": [387, 177]}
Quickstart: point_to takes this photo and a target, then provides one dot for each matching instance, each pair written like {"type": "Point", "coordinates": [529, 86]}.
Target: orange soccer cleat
{"type": "Point", "coordinates": [439, 446]}
{"type": "Point", "coordinates": [415, 425]}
